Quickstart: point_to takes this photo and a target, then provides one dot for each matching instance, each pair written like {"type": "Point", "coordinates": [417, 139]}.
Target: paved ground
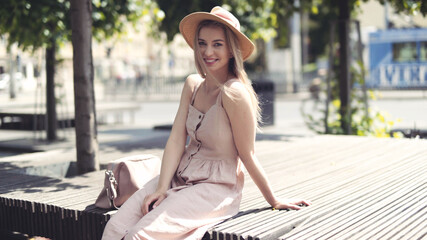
{"type": "Point", "coordinates": [117, 140]}
{"type": "Point", "coordinates": [137, 134]}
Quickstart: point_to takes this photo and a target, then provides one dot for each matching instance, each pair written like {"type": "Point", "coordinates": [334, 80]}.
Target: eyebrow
{"type": "Point", "coordinates": [216, 40]}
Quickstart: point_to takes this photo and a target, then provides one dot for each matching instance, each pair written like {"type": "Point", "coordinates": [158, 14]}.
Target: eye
{"type": "Point", "coordinates": [201, 43]}
{"type": "Point", "coordinates": [218, 44]}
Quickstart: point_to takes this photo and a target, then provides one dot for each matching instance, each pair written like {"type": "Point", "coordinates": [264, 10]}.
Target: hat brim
{"type": "Point", "coordinates": [189, 24]}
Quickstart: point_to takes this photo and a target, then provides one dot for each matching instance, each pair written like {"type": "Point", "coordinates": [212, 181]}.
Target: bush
{"type": "Point", "coordinates": [365, 121]}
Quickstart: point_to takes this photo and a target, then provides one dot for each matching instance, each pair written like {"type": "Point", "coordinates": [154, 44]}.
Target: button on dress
{"type": "Point", "coordinates": [205, 190]}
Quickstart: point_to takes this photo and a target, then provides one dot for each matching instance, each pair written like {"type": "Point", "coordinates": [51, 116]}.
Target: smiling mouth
{"type": "Point", "coordinates": [210, 61]}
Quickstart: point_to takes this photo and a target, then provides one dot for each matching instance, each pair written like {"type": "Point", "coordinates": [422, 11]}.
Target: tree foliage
{"type": "Point", "coordinates": [34, 23]}
{"type": "Point", "coordinates": [265, 19]}
{"type": "Point", "coordinates": [111, 16]}
{"type": "Point", "coordinates": [174, 11]}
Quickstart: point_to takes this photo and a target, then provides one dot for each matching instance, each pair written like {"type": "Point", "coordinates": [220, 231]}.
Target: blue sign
{"type": "Point", "coordinates": [398, 59]}
{"type": "Point", "coordinates": [400, 75]}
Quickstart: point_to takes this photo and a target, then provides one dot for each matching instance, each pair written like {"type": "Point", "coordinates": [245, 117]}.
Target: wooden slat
{"type": "Point", "coordinates": [58, 212]}
{"type": "Point", "coordinates": [332, 224]}
{"type": "Point", "coordinates": [356, 199]}
{"type": "Point", "coordinates": [259, 217]}
{"type": "Point", "coordinates": [411, 177]}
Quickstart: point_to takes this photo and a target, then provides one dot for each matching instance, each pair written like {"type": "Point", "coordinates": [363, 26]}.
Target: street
{"type": "Point", "coordinates": [409, 107]}
{"type": "Point", "coordinates": [412, 113]}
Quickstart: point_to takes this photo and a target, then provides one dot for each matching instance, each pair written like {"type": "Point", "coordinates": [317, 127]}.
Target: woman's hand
{"type": "Point", "coordinates": [153, 199]}
{"type": "Point", "coordinates": [290, 204]}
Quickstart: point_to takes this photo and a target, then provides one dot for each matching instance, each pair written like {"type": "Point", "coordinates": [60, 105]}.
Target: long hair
{"type": "Point", "coordinates": [235, 65]}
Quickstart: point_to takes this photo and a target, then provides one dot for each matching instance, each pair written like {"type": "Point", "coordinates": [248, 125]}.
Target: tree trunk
{"type": "Point", "coordinates": [52, 122]}
{"type": "Point", "coordinates": [84, 94]}
{"type": "Point", "coordinates": [344, 65]}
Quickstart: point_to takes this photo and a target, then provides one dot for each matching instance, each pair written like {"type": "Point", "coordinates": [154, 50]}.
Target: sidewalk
{"type": "Point", "coordinates": [25, 149]}
{"type": "Point", "coordinates": [25, 152]}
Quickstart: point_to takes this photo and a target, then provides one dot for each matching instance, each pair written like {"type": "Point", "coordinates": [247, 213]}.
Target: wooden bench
{"type": "Point", "coordinates": [360, 188]}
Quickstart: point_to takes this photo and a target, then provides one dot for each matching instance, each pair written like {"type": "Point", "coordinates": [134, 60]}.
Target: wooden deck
{"type": "Point", "coordinates": [360, 188]}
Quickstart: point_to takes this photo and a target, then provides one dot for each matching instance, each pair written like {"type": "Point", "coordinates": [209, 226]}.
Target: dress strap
{"type": "Point", "coordinates": [219, 98]}
{"type": "Point", "coordinates": [194, 92]}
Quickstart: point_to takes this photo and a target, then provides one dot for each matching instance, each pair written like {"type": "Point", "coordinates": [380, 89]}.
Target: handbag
{"type": "Point", "coordinates": [125, 176]}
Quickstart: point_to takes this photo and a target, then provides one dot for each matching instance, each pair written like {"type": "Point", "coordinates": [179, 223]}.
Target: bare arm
{"type": "Point", "coordinates": [243, 122]}
{"type": "Point", "coordinates": [174, 147]}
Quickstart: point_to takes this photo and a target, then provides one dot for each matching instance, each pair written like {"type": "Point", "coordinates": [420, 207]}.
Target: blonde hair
{"type": "Point", "coordinates": [235, 65]}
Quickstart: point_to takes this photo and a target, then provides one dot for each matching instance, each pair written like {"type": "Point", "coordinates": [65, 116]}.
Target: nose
{"type": "Point", "coordinates": [208, 50]}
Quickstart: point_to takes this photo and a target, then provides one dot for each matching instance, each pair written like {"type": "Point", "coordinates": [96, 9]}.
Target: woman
{"type": "Point", "coordinates": [201, 184]}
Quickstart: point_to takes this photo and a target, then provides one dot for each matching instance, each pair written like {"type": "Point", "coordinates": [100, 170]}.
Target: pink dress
{"type": "Point", "coordinates": [205, 190]}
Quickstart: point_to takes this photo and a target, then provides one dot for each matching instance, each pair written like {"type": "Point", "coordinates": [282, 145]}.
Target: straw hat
{"type": "Point", "coordinates": [189, 24]}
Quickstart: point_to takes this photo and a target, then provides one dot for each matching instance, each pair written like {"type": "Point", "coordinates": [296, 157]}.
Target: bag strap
{"type": "Point", "coordinates": [111, 188]}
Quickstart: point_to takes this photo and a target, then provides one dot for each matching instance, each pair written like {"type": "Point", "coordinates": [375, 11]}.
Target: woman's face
{"type": "Point", "coordinates": [214, 49]}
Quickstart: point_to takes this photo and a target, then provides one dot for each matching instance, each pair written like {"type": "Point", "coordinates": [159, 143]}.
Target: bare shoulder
{"type": "Point", "coordinates": [237, 103]}
{"type": "Point", "coordinates": [189, 86]}
{"type": "Point", "coordinates": [235, 92]}
{"type": "Point", "coordinates": [192, 81]}
{"type": "Point", "coordinates": [234, 83]}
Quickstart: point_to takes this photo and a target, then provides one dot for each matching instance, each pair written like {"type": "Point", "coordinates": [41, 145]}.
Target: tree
{"type": "Point", "coordinates": [105, 19]}
{"type": "Point", "coordinates": [46, 24]}
{"type": "Point", "coordinates": [36, 24]}
{"type": "Point", "coordinates": [340, 11]}
{"type": "Point", "coordinates": [84, 90]}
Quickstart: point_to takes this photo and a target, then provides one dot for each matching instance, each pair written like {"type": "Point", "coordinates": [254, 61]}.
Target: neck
{"type": "Point", "coordinates": [210, 85]}
{"type": "Point", "coordinates": [214, 79]}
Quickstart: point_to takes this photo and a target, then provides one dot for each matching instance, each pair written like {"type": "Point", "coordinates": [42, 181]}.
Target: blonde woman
{"type": "Point", "coordinates": [201, 184]}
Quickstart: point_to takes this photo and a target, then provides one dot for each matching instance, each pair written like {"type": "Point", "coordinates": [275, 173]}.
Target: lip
{"type": "Point", "coordinates": [210, 61]}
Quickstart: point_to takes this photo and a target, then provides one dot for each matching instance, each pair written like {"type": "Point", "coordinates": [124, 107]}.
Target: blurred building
{"type": "Point", "coordinates": [395, 47]}
{"type": "Point", "coordinates": [135, 63]}
{"type": "Point", "coordinates": [128, 62]}
{"type": "Point", "coordinates": [285, 65]}
{"type": "Point", "coordinates": [378, 16]}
